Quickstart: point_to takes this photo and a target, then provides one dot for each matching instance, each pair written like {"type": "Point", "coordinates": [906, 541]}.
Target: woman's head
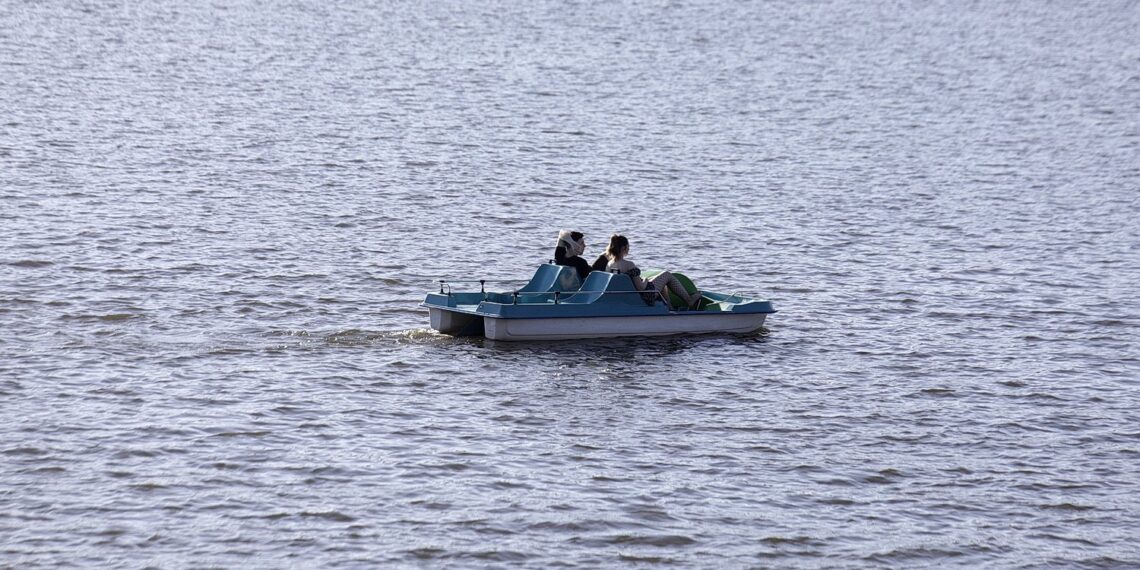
{"type": "Point", "coordinates": [619, 246]}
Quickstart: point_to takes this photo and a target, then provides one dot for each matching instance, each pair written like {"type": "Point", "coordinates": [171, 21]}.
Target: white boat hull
{"type": "Point", "coordinates": [605, 327]}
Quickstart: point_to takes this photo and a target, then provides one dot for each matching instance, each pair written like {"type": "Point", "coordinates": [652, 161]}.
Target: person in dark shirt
{"type": "Point", "coordinates": [568, 252]}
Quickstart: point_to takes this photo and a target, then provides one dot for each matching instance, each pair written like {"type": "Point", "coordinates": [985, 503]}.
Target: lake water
{"type": "Point", "coordinates": [218, 220]}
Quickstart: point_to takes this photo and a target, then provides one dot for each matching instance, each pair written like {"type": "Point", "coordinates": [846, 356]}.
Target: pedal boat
{"type": "Point", "coordinates": [555, 305]}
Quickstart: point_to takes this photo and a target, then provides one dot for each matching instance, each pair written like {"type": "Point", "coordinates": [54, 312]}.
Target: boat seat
{"type": "Point", "coordinates": [547, 279]}
{"type": "Point", "coordinates": [605, 287]}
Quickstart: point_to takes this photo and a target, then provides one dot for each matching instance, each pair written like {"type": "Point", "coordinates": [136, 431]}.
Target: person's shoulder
{"type": "Point", "coordinates": [622, 265]}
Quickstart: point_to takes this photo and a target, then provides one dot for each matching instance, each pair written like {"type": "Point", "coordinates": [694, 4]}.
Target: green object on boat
{"type": "Point", "coordinates": [685, 282]}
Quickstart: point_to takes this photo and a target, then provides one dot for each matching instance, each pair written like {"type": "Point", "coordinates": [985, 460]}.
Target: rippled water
{"type": "Point", "coordinates": [218, 221]}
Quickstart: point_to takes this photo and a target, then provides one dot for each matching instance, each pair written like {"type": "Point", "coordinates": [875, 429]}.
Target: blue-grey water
{"type": "Point", "coordinates": [218, 219]}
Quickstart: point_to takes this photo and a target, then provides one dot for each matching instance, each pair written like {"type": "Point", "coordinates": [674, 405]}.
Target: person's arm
{"type": "Point", "coordinates": [635, 276]}
{"type": "Point", "coordinates": [581, 265]}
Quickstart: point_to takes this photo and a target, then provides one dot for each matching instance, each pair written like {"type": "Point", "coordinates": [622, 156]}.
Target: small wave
{"type": "Point", "coordinates": [261, 433]}
{"type": "Point", "coordinates": [32, 263]}
{"type": "Point", "coordinates": [649, 559]}
{"type": "Point", "coordinates": [942, 392]}
{"type": "Point", "coordinates": [335, 516]}
{"type": "Point", "coordinates": [1110, 323]}
{"type": "Point", "coordinates": [132, 453]}
{"type": "Point", "coordinates": [117, 317]}
{"type": "Point", "coordinates": [651, 540]}
{"type": "Point", "coordinates": [1066, 539]}
{"type": "Point", "coordinates": [48, 470]}
{"type": "Point", "coordinates": [389, 280]}
{"type": "Point", "coordinates": [563, 527]}
{"type": "Point", "coordinates": [837, 501]}
{"type": "Point", "coordinates": [1066, 507]}
{"type": "Point", "coordinates": [915, 554]}
{"type": "Point", "coordinates": [432, 505]}
{"type": "Point", "coordinates": [34, 451]}
{"type": "Point", "coordinates": [147, 487]}
{"type": "Point", "coordinates": [108, 318]}
{"type": "Point", "coordinates": [349, 337]}
{"type": "Point", "coordinates": [426, 553]}
{"type": "Point", "coordinates": [358, 336]}
{"type": "Point", "coordinates": [500, 556]}
{"type": "Point", "coordinates": [796, 540]}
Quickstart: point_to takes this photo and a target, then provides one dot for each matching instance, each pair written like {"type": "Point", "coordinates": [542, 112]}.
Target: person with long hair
{"type": "Point", "coordinates": [568, 250]}
{"type": "Point", "coordinates": [664, 282]}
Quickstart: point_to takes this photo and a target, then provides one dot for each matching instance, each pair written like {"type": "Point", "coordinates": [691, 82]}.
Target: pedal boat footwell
{"type": "Point", "coordinates": [552, 306]}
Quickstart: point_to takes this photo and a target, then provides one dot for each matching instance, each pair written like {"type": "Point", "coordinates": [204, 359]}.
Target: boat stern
{"type": "Point", "coordinates": [454, 314]}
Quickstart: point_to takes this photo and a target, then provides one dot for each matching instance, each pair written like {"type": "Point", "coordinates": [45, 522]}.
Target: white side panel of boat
{"type": "Point", "coordinates": [604, 327]}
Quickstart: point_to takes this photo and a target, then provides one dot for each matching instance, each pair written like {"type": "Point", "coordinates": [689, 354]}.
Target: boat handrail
{"type": "Point", "coordinates": [515, 294]}
{"type": "Point", "coordinates": [482, 283]}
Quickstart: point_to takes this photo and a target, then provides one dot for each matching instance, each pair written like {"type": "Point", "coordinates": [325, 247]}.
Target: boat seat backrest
{"type": "Point", "coordinates": [610, 288]}
{"type": "Point", "coordinates": [548, 279]}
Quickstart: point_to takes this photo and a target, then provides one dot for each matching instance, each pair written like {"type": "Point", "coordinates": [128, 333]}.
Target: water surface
{"type": "Point", "coordinates": [218, 221]}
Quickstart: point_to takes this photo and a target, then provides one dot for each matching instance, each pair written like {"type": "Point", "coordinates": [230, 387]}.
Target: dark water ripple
{"type": "Point", "coordinates": [218, 220]}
